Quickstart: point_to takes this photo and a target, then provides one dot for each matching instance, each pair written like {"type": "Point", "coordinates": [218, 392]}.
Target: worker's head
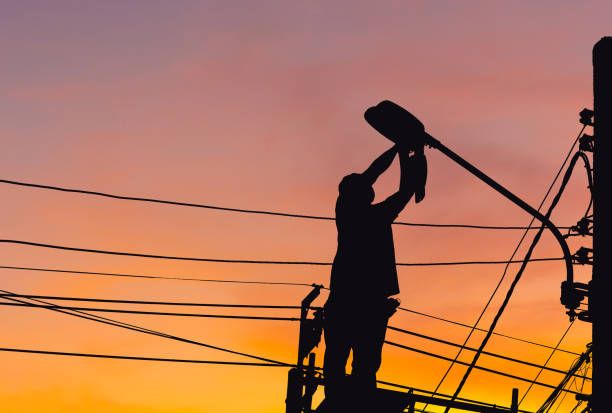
{"type": "Point", "coordinates": [355, 188]}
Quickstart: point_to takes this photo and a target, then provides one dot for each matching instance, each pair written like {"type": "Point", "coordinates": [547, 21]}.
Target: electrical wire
{"type": "Point", "coordinates": [534, 242]}
{"type": "Point", "coordinates": [133, 327]}
{"type": "Point", "coordinates": [483, 330]}
{"type": "Point", "coordinates": [181, 303]}
{"type": "Point", "coordinates": [157, 277]}
{"type": "Point", "coordinates": [112, 356]}
{"type": "Point", "coordinates": [549, 402]}
{"type": "Point", "coordinates": [505, 271]}
{"type": "Point", "coordinates": [248, 211]}
{"type": "Point", "coordinates": [270, 283]}
{"type": "Point", "coordinates": [500, 373]}
{"type": "Point", "coordinates": [243, 261]}
{"type": "Point", "coordinates": [546, 362]}
{"type": "Point", "coordinates": [120, 311]}
{"type": "Point", "coordinates": [450, 343]}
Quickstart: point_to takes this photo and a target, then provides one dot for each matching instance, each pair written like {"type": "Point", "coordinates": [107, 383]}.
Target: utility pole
{"type": "Point", "coordinates": [601, 284]}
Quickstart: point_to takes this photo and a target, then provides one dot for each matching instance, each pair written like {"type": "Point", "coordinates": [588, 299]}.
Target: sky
{"type": "Point", "coordinates": [259, 105]}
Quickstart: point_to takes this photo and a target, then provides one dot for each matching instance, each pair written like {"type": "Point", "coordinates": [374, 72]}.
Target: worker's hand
{"type": "Point", "coordinates": [418, 166]}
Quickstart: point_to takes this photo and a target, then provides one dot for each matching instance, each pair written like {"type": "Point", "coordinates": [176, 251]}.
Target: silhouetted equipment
{"type": "Point", "coordinates": [394, 122]}
{"type": "Point", "coordinates": [300, 382]}
{"type": "Point", "coordinates": [304, 380]}
{"type": "Point", "coordinates": [586, 117]}
{"type": "Point", "coordinates": [397, 124]}
{"type": "Point", "coordinates": [586, 143]}
{"type": "Point", "coordinates": [601, 283]}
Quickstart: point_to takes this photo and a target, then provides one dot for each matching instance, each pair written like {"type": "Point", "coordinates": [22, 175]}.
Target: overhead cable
{"type": "Point", "coordinates": [158, 277]}
{"type": "Point", "coordinates": [518, 275]}
{"type": "Point", "coordinates": [122, 311]}
{"type": "Point", "coordinates": [128, 326]}
{"type": "Point", "coordinates": [503, 275]}
{"type": "Point", "coordinates": [243, 261]}
{"type": "Point", "coordinates": [242, 210]}
{"type": "Point", "coordinates": [500, 356]}
{"type": "Point", "coordinates": [112, 356]}
{"type": "Point", "coordinates": [446, 320]}
{"type": "Point", "coordinates": [173, 303]}
{"type": "Point", "coordinates": [500, 373]}
{"type": "Point", "coordinates": [546, 362]}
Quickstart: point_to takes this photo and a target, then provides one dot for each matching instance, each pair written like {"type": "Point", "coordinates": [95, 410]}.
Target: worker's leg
{"type": "Point", "coordinates": [367, 352]}
{"type": "Point", "coordinates": [337, 349]}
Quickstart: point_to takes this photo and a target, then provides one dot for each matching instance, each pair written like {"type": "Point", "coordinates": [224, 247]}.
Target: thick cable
{"type": "Point", "coordinates": [534, 242]}
{"type": "Point", "coordinates": [503, 276]}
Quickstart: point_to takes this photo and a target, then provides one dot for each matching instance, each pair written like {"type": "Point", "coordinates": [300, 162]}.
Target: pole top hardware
{"type": "Point", "coordinates": [586, 117]}
{"type": "Point", "coordinates": [587, 142]}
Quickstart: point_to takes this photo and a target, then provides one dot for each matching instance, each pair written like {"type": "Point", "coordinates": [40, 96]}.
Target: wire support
{"type": "Point", "coordinates": [242, 210]}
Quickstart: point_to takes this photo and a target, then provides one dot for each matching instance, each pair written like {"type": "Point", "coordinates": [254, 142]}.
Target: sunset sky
{"type": "Point", "coordinates": [259, 105]}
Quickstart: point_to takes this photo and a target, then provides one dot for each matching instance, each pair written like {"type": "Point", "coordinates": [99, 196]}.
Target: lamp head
{"type": "Point", "coordinates": [397, 124]}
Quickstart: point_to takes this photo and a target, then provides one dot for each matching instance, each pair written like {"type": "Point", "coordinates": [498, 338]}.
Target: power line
{"type": "Point", "coordinates": [266, 283]}
{"type": "Point", "coordinates": [427, 353]}
{"type": "Point", "coordinates": [158, 277]}
{"type": "Point", "coordinates": [243, 261]}
{"type": "Point", "coordinates": [546, 362]}
{"type": "Point", "coordinates": [483, 330]}
{"type": "Point", "coordinates": [245, 318]}
{"type": "Point", "coordinates": [110, 356]}
{"type": "Point", "coordinates": [450, 343]}
{"type": "Point", "coordinates": [503, 276]}
{"type": "Point", "coordinates": [242, 210]}
{"type": "Point", "coordinates": [181, 303]}
{"type": "Point", "coordinates": [133, 327]}
{"type": "Point", "coordinates": [534, 242]}
{"type": "Point", "coordinates": [120, 311]}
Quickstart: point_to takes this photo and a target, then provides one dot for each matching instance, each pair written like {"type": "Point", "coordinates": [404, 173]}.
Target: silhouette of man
{"type": "Point", "coordinates": [363, 277]}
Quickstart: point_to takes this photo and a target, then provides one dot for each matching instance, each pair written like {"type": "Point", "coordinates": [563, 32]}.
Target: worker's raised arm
{"type": "Point", "coordinates": [380, 165]}
{"type": "Point", "coordinates": [412, 181]}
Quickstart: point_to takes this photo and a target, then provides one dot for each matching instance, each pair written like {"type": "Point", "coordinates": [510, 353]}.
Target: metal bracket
{"type": "Point", "coordinates": [586, 117]}
{"type": "Point", "coordinates": [572, 296]}
{"type": "Point", "coordinates": [584, 256]}
{"type": "Point", "coordinates": [586, 143]}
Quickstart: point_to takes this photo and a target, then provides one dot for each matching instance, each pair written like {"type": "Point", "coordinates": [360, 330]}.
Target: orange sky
{"type": "Point", "coordinates": [260, 106]}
